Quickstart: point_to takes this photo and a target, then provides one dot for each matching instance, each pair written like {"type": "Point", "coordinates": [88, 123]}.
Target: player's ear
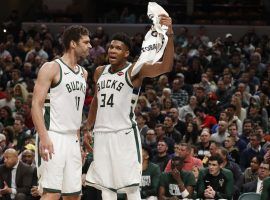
{"type": "Point", "coordinates": [126, 53]}
{"type": "Point", "coordinates": [73, 44]}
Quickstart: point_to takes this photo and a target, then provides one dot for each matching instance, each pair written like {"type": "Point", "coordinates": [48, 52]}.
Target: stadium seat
{"type": "Point", "coordinates": [249, 196]}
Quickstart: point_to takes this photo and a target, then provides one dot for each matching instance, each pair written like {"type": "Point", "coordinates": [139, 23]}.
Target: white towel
{"type": "Point", "coordinates": [155, 39]}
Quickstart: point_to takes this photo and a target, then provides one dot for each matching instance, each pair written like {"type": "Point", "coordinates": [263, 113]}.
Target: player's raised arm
{"type": "Point", "coordinates": [158, 68]}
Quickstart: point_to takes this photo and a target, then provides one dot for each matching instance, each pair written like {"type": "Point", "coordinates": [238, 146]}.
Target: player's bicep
{"type": "Point", "coordinates": [43, 83]}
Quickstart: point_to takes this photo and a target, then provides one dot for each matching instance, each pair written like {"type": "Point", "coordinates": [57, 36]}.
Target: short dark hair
{"type": "Point", "coordinates": [74, 33]}
{"type": "Point", "coordinates": [123, 37]}
{"type": "Point", "coordinates": [216, 158]}
{"type": "Point", "coordinates": [147, 148]}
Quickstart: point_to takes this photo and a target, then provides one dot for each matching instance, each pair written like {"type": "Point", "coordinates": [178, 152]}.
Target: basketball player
{"type": "Point", "coordinates": [117, 164]}
{"type": "Point", "coordinates": [60, 91]}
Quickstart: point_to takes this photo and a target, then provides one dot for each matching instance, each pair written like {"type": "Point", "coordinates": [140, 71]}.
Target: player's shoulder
{"type": "Point", "coordinates": [51, 68]}
{"type": "Point", "coordinates": [99, 71]}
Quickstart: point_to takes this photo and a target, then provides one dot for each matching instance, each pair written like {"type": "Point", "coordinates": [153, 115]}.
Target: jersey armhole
{"type": "Point", "coordinates": [101, 71]}
{"type": "Point", "coordinates": [60, 79]}
{"type": "Point", "coordinates": [128, 80]}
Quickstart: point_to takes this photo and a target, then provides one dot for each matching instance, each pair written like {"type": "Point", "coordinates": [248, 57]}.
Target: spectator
{"type": "Point", "coordinates": [191, 134]}
{"type": "Point", "coordinates": [238, 177]}
{"type": "Point", "coordinates": [204, 144]}
{"type": "Point", "coordinates": [204, 120]}
{"type": "Point", "coordinates": [16, 176]}
{"type": "Point", "coordinates": [150, 175]}
{"type": "Point", "coordinates": [189, 160]}
{"type": "Point", "coordinates": [189, 108]}
{"type": "Point", "coordinates": [177, 183]}
{"type": "Point", "coordinates": [178, 94]}
{"type": "Point", "coordinates": [257, 185]}
{"type": "Point", "coordinates": [178, 124]}
{"type": "Point", "coordinates": [251, 173]}
{"type": "Point", "coordinates": [38, 50]}
{"type": "Point", "coordinates": [215, 182]}
{"type": "Point", "coordinates": [250, 152]}
{"type": "Point", "coordinates": [221, 133]}
{"type": "Point", "coordinates": [170, 131]}
{"type": "Point", "coordinates": [162, 157]}
{"type": "Point", "coordinates": [233, 152]}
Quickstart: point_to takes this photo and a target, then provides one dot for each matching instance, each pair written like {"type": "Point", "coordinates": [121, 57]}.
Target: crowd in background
{"type": "Point", "coordinates": [215, 101]}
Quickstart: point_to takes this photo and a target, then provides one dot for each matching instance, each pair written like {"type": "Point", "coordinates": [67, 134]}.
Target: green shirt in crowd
{"type": "Point", "coordinates": [150, 181]}
{"type": "Point", "coordinates": [170, 184]}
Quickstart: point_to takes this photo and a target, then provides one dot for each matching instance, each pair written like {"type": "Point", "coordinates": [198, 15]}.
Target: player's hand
{"type": "Point", "coordinates": [87, 140]}
{"type": "Point", "coordinates": [167, 21]}
{"type": "Point", "coordinates": [176, 175]}
{"type": "Point", "coordinates": [46, 148]}
{"type": "Point", "coordinates": [5, 189]}
{"type": "Point", "coordinates": [35, 192]}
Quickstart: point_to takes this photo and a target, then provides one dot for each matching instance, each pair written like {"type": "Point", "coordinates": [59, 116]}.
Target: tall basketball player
{"type": "Point", "coordinates": [117, 164]}
{"type": "Point", "coordinates": [57, 104]}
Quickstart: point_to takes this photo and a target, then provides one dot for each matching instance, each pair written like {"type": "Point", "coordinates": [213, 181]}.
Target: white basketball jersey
{"type": "Point", "coordinates": [116, 101]}
{"type": "Point", "coordinates": [64, 102]}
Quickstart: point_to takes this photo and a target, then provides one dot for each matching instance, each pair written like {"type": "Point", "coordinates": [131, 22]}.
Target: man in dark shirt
{"type": "Point", "coordinates": [162, 158]}
{"type": "Point", "coordinates": [215, 182]}
{"type": "Point", "coordinates": [150, 175]}
{"type": "Point", "coordinates": [177, 184]}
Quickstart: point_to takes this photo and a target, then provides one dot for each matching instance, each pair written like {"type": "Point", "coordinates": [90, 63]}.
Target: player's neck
{"type": "Point", "coordinates": [115, 68]}
{"type": "Point", "coordinates": [71, 61]}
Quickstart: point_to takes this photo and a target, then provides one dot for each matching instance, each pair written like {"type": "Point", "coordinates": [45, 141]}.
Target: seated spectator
{"type": "Point", "coordinates": [150, 175]}
{"type": "Point", "coordinates": [142, 119]}
{"type": "Point", "coordinates": [3, 147]}
{"type": "Point", "coordinates": [251, 173]}
{"type": "Point", "coordinates": [221, 133]}
{"type": "Point", "coordinates": [177, 183]}
{"type": "Point", "coordinates": [189, 160]}
{"type": "Point", "coordinates": [28, 157]}
{"type": "Point", "coordinates": [240, 144]}
{"type": "Point", "coordinates": [178, 124]}
{"type": "Point", "coordinates": [189, 108]}
{"type": "Point", "coordinates": [191, 134]}
{"type": "Point", "coordinates": [204, 144]}
{"type": "Point", "coordinates": [233, 152]}
{"type": "Point", "coordinates": [6, 116]}
{"type": "Point", "coordinates": [238, 177]}
{"type": "Point", "coordinates": [151, 140]}
{"type": "Point", "coordinates": [250, 152]}
{"type": "Point", "coordinates": [215, 182]}
{"type": "Point", "coordinates": [17, 184]}
{"type": "Point", "coordinates": [257, 185]}
{"type": "Point", "coordinates": [162, 157]}
{"type": "Point", "coordinates": [178, 94]}
{"type": "Point", "coordinates": [170, 131]}
{"type": "Point", "coordinates": [160, 135]}
{"type": "Point", "coordinates": [204, 120]}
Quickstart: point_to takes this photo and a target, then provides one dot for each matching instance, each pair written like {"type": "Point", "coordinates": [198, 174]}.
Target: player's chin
{"type": "Point", "coordinates": [113, 61]}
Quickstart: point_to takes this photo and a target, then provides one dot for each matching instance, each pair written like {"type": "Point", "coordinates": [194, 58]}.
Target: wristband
{"type": "Point", "coordinates": [185, 193]}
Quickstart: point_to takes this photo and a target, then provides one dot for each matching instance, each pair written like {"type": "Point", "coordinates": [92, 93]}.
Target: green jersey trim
{"type": "Point", "coordinates": [70, 67]}
{"type": "Point", "coordinates": [47, 117]}
{"type": "Point", "coordinates": [60, 79]}
{"type": "Point", "coordinates": [109, 70]}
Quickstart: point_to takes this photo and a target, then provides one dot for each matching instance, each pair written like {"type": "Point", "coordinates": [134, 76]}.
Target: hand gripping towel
{"type": "Point", "coordinates": [155, 39]}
